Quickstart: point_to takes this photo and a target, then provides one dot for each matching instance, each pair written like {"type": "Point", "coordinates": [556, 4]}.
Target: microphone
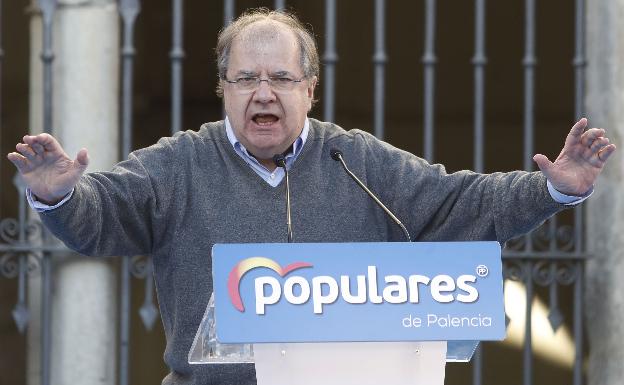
{"type": "Point", "coordinates": [280, 161]}
{"type": "Point", "coordinates": [337, 156]}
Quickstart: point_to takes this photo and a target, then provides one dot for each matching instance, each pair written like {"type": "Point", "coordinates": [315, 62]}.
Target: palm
{"type": "Point", "coordinates": [581, 160]}
{"type": "Point", "coordinates": [45, 167]}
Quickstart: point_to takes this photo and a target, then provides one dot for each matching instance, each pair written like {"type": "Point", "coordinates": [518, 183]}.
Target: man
{"type": "Point", "coordinates": [175, 199]}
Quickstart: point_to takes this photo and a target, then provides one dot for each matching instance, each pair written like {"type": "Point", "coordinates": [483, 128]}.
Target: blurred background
{"type": "Point", "coordinates": [470, 84]}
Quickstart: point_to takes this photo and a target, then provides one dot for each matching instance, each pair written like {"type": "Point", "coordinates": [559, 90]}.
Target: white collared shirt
{"type": "Point", "coordinates": [271, 177]}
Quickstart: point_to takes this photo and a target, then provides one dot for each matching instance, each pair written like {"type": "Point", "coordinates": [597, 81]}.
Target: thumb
{"type": "Point", "coordinates": [82, 159]}
{"type": "Point", "coordinates": [543, 163]}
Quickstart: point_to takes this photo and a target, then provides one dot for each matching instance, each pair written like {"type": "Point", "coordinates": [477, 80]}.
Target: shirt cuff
{"type": "Point", "coordinates": [568, 200]}
{"type": "Point", "coordinates": [41, 207]}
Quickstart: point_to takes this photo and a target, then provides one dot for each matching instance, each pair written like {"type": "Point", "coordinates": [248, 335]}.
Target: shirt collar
{"type": "Point", "coordinates": [296, 147]}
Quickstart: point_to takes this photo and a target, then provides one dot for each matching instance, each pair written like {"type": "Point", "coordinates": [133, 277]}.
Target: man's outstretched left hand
{"type": "Point", "coordinates": [582, 159]}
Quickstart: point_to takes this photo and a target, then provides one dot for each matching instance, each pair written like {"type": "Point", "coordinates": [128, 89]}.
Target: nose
{"type": "Point", "coordinates": [264, 93]}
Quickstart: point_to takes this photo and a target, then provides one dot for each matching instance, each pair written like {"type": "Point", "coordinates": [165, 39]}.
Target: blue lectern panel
{"type": "Point", "coordinates": [358, 292]}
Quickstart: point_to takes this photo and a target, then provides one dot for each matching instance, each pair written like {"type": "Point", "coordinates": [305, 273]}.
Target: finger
{"type": "Point", "coordinates": [48, 142]}
{"type": "Point", "coordinates": [38, 148]}
{"type": "Point", "coordinates": [590, 135]}
{"type": "Point", "coordinates": [543, 163]}
{"type": "Point", "coordinates": [83, 157]}
{"type": "Point", "coordinates": [604, 154]}
{"type": "Point", "coordinates": [579, 127]}
{"type": "Point", "coordinates": [29, 139]}
{"type": "Point", "coordinates": [25, 150]}
{"type": "Point", "coordinates": [18, 160]}
{"type": "Point", "coordinates": [598, 144]}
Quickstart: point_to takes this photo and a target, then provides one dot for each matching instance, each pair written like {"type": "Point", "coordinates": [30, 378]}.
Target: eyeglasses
{"type": "Point", "coordinates": [251, 83]}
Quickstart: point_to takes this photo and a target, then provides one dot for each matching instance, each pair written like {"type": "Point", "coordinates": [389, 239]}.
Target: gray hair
{"type": "Point", "coordinates": [309, 57]}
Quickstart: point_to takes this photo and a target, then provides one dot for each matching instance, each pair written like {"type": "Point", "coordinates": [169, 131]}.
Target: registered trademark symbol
{"type": "Point", "coordinates": [482, 271]}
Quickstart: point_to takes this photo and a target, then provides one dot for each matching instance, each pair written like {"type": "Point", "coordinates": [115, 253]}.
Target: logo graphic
{"type": "Point", "coordinates": [482, 271]}
{"type": "Point", "coordinates": [251, 263]}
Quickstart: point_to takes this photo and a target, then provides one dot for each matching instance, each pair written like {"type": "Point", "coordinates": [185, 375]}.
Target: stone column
{"type": "Point", "coordinates": [85, 105]}
{"type": "Point", "coordinates": [605, 210]}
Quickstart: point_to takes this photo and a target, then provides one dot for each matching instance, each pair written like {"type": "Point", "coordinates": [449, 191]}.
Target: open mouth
{"type": "Point", "coordinates": [264, 119]}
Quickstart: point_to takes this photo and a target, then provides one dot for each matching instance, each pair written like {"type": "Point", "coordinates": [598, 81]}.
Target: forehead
{"type": "Point", "coordinates": [266, 45]}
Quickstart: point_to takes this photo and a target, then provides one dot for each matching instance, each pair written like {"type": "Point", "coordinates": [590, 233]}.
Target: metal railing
{"type": "Point", "coordinates": [551, 257]}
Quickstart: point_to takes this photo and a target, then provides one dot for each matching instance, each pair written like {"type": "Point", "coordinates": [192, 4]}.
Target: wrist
{"type": "Point", "coordinates": [39, 206]}
{"type": "Point", "coordinates": [49, 202]}
{"type": "Point", "coordinates": [567, 199]}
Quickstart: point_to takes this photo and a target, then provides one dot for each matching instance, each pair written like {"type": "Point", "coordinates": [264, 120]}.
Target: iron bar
{"type": "Point", "coordinates": [552, 229]}
{"type": "Point", "coordinates": [552, 222]}
{"type": "Point", "coordinates": [48, 8]}
{"type": "Point", "coordinates": [129, 10]}
{"type": "Point", "coordinates": [228, 16]}
{"type": "Point", "coordinates": [46, 315]}
{"type": "Point", "coordinates": [577, 376]}
{"type": "Point", "coordinates": [529, 63]}
{"type": "Point", "coordinates": [47, 57]}
{"type": "Point", "coordinates": [429, 61]}
{"type": "Point", "coordinates": [20, 313]}
{"type": "Point", "coordinates": [27, 247]}
{"type": "Point", "coordinates": [554, 317]}
{"type": "Point", "coordinates": [579, 64]}
{"type": "Point", "coordinates": [149, 282]}
{"type": "Point", "coordinates": [379, 59]}
{"type": "Point", "coordinates": [21, 209]}
{"type": "Point", "coordinates": [537, 255]}
{"type": "Point", "coordinates": [479, 61]}
{"type": "Point", "coordinates": [528, 343]}
{"type": "Point", "coordinates": [330, 58]}
{"type": "Point", "coordinates": [177, 57]}
{"type": "Point", "coordinates": [1, 62]}
{"type": "Point", "coordinates": [124, 333]}
{"type": "Point", "coordinates": [228, 11]}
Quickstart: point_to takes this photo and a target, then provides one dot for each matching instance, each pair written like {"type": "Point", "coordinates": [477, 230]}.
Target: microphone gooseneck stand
{"type": "Point", "coordinates": [337, 156]}
{"type": "Point", "coordinates": [280, 161]}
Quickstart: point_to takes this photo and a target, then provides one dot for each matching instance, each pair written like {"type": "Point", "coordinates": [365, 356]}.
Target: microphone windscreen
{"type": "Point", "coordinates": [335, 154]}
{"type": "Point", "coordinates": [279, 160]}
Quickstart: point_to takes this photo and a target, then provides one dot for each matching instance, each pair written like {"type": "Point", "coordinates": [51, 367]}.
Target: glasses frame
{"type": "Point", "coordinates": [259, 80]}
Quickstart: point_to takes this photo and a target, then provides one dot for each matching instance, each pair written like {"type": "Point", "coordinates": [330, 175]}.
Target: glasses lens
{"type": "Point", "coordinates": [246, 84]}
{"type": "Point", "coordinates": [276, 83]}
{"type": "Point", "coordinates": [282, 84]}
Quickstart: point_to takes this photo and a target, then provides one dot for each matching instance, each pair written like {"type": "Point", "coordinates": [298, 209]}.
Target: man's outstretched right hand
{"type": "Point", "coordinates": [46, 169]}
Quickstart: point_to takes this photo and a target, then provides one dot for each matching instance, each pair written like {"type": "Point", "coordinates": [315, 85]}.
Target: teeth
{"type": "Point", "coordinates": [265, 119]}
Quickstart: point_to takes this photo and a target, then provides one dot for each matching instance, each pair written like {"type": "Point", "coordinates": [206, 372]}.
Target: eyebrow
{"type": "Point", "coordinates": [255, 74]}
{"type": "Point", "coordinates": [281, 73]}
{"type": "Point", "coordinates": [247, 73]}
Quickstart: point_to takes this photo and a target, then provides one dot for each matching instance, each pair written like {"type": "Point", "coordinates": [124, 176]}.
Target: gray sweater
{"type": "Point", "coordinates": [177, 198]}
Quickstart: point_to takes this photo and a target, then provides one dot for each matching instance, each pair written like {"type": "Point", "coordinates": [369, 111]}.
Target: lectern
{"type": "Point", "coordinates": [351, 313]}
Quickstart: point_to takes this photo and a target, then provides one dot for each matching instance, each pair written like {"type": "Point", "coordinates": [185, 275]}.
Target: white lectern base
{"type": "Point", "coordinates": [361, 363]}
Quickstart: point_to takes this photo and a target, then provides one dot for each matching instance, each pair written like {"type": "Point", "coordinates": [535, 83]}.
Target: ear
{"type": "Point", "coordinates": [310, 91]}
{"type": "Point", "coordinates": [311, 86]}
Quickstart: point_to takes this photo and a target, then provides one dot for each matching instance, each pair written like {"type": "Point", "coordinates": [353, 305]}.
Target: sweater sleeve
{"type": "Point", "coordinates": [114, 213]}
{"type": "Point", "coordinates": [464, 205]}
